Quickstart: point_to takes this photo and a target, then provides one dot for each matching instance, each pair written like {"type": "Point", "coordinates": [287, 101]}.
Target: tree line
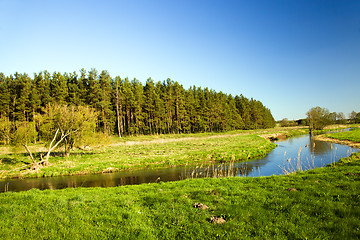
{"type": "Point", "coordinates": [318, 118]}
{"type": "Point", "coordinates": [327, 118]}
{"type": "Point", "coordinates": [127, 107]}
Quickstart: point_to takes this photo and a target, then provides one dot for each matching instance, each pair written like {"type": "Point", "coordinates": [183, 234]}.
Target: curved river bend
{"type": "Point", "coordinates": [301, 152]}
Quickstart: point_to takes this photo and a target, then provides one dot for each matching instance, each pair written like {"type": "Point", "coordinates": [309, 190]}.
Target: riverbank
{"type": "Point", "coordinates": [350, 138]}
{"type": "Point", "coordinates": [122, 154]}
{"type": "Point", "coordinates": [322, 203]}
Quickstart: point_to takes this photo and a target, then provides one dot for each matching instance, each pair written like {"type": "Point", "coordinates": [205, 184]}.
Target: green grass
{"type": "Point", "coordinates": [352, 135]}
{"type": "Point", "coordinates": [149, 152]}
{"type": "Point", "coordinates": [326, 205]}
{"type": "Point", "coordinates": [127, 153]}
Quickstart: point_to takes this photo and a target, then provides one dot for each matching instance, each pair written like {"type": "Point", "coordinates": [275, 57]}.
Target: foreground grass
{"type": "Point", "coordinates": [150, 151]}
{"type": "Point", "coordinates": [325, 205]}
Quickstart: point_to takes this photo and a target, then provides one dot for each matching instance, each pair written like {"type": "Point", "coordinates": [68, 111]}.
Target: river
{"type": "Point", "coordinates": [292, 154]}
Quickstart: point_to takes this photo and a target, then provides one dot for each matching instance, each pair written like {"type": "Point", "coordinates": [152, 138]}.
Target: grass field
{"type": "Point", "coordinates": [323, 203]}
{"type": "Point", "coordinates": [353, 135]}
{"type": "Point", "coordinates": [121, 154]}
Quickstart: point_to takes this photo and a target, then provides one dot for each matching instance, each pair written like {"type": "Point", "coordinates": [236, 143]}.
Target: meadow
{"type": "Point", "coordinates": [353, 135]}
{"type": "Point", "coordinates": [323, 203]}
{"type": "Point", "coordinates": [127, 153]}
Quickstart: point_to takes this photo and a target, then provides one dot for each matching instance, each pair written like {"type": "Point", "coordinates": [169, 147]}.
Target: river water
{"type": "Point", "coordinates": [293, 154]}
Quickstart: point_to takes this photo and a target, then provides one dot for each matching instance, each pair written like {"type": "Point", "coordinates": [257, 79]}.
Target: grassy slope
{"type": "Point", "coordinates": [151, 151]}
{"type": "Point", "coordinates": [326, 205]}
{"type": "Point", "coordinates": [353, 135]}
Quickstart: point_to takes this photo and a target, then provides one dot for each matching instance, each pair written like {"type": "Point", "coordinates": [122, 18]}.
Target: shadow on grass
{"type": "Point", "coordinates": [62, 154]}
{"type": "Point", "coordinates": [11, 161]}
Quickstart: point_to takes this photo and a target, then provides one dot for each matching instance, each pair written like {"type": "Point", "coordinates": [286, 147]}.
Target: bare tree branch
{"type": "Point", "coordinates": [28, 150]}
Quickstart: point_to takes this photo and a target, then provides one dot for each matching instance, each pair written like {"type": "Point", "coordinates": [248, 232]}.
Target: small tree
{"type": "Point", "coordinates": [354, 117]}
{"type": "Point", "coordinates": [60, 125]}
{"type": "Point", "coordinates": [318, 118]}
{"type": "Point", "coordinates": [67, 126]}
{"type": "Point", "coordinates": [24, 134]}
{"type": "Point", "coordinates": [284, 122]}
{"type": "Point", "coordinates": [341, 118]}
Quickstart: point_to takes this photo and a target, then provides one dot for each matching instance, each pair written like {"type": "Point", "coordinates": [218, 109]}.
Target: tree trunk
{"type": "Point", "coordinates": [67, 148]}
{"type": "Point", "coordinates": [34, 125]}
{"type": "Point", "coordinates": [117, 109]}
{"type": "Point", "coordinates": [105, 123]}
{"type": "Point", "coordinates": [28, 150]}
{"type": "Point", "coordinates": [117, 114]}
{"type": "Point", "coordinates": [149, 121]}
{"type": "Point", "coordinates": [35, 165]}
{"type": "Point", "coordinates": [45, 161]}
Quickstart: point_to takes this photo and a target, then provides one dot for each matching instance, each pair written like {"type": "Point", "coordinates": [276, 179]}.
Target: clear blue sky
{"type": "Point", "coordinates": [291, 55]}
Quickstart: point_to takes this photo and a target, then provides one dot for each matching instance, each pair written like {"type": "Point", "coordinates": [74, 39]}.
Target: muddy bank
{"type": "Point", "coordinates": [274, 136]}
{"type": "Point", "coordinates": [344, 142]}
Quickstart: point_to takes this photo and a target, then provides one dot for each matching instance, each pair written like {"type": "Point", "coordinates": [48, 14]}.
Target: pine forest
{"type": "Point", "coordinates": [127, 107]}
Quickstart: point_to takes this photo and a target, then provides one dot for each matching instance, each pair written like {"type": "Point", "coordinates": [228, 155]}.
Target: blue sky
{"type": "Point", "coordinates": [291, 55]}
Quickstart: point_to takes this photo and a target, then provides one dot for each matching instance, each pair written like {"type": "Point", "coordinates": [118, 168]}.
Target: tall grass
{"type": "Point", "coordinates": [300, 164]}
{"type": "Point", "coordinates": [296, 165]}
{"type": "Point", "coordinates": [212, 171]}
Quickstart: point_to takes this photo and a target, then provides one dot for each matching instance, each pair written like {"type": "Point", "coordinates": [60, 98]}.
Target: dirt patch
{"type": "Point", "coordinates": [217, 220]}
{"type": "Point", "coordinates": [274, 136]}
{"type": "Point", "coordinates": [200, 206]}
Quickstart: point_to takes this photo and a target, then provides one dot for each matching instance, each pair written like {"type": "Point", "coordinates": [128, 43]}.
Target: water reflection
{"type": "Point", "coordinates": [319, 147]}
{"type": "Point", "coordinates": [304, 152]}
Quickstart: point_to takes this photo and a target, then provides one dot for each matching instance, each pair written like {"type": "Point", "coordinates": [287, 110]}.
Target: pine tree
{"type": "Point", "coordinates": [127, 105]}
{"type": "Point", "coordinates": [34, 101]}
{"type": "Point", "coordinates": [179, 108]}
{"type": "Point", "coordinates": [216, 113]}
{"type": "Point", "coordinates": [190, 109]}
{"type": "Point", "coordinates": [4, 96]}
{"type": "Point", "coordinates": [201, 111]}
{"type": "Point", "coordinates": [236, 121]}
{"type": "Point", "coordinates": [83, 87]}
{"type": "Point", "coordinates": [74, 92]}
{"type": "Point", "coordinates": [195, 110]}
{"type": "Point", "coordinates": [91, 84]}
{"type": "Point", "coordinates": [21, 88]}
{"type": "Point", "coordinates": [243, 105]}
{"type": "Point", "coordinates": [168, 99]}
{"type": "Point", "coordinates": [42, 85]}
{"type": "Point", "coordinates": [159, 114]}
{"type": "Point", "coordinates": [149, 106]}
{"type": "Point", "coordinates": [137, 106]}
{"type": "Point", "coordinates": [104, 102]}
{"type": "Point", "coordinates": [58, 88]}
{"type": "Point", "coordinates": [117, 96]}
{"type": "Point", "coordinates": [269, 121]}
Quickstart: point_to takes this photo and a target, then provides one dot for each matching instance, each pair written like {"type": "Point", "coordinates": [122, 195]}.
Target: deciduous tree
{"type": "Point", "coordinates": [318, 118]}
{"type": "Point", "coordinates": [68, 126]}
